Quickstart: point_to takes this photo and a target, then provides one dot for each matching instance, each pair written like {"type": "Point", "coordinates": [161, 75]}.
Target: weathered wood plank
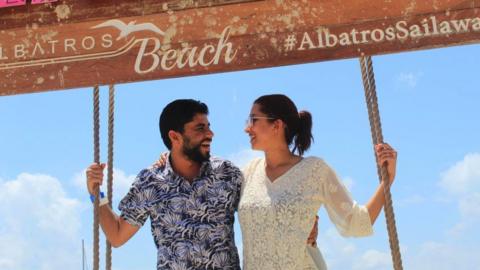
{"type": "Point", "coordinates": [74, 11]}
{"type": "Point", "coordinates": [193, 41]}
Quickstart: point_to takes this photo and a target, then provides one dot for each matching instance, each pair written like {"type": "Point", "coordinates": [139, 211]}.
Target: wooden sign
{"type": "Point", "coordinates": [164, 39]}
{"type": "Point", "coordinates": [11, 3]}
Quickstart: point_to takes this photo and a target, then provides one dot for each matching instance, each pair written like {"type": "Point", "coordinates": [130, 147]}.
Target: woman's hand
{"type": "Point", "coordinates": [387, 156]}
{"type": "Point", "coordinates": [162, 161]}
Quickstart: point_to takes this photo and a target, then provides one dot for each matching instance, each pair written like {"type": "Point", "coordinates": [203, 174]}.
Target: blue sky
{"type": "Point", "coordinates": [429, 108]}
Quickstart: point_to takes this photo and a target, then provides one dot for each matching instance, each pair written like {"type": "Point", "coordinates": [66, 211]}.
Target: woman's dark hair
{"type": "Point", "coordinates": [298, 125]}
{"type": "Point", "coordinates": [176, 114]}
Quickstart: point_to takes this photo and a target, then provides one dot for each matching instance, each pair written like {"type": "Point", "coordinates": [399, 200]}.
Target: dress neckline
{"type": "Point", "coordinates": [287, 172]}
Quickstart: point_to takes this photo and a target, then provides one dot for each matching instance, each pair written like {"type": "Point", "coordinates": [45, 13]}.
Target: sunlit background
{"type": "Point", "coordinates": [429, 105]}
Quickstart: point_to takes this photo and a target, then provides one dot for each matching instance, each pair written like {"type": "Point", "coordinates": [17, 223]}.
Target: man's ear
{"type": "Point", "coordinates": [174, 137]}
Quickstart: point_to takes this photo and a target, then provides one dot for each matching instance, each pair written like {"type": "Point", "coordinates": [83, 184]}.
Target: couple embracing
{"type": "Point", "coordinates": [191, 198]}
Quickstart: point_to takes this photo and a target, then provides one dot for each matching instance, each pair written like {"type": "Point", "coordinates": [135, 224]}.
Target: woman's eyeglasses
{"type": "Point", "coordinates": [251, 119]}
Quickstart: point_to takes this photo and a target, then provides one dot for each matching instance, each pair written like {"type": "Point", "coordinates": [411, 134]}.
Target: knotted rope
{"type": "Point", "coordinates": [96, 159]}
{"type": "Point", "coordinates": [111, 108]}
{"type": "Point", "coordinates": [368, 78]}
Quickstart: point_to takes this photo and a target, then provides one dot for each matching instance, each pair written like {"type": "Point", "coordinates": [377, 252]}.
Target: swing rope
{"type": "Point", "coordinates": [111, 108]}
{"type": "Point", "coordinates": [96, 159]}
{"type": "Point", "coordinates": [368, 78]}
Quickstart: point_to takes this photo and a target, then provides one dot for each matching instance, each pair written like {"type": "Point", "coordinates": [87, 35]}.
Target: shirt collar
{"type": "Point", "coordinates": [205, 168]}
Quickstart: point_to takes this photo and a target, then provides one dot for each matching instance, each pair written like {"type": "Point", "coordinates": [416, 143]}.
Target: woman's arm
{"type": "Point", "coordinates": [350, 218]}
{"type": "Point", "coordinates": [387, 157]}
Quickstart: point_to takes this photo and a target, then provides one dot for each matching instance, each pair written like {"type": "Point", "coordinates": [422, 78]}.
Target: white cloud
{"type": "Point", "coordinates": [458, 229]}
{"type": "Point", "coordinates": [469, 208]}
{"type": "Point", "coordinates": [373, 259]}
{"type": "Point", "coordinates": [411, 200]}
{"type": "Point", "coordinates": [470, 205]}
{"type": "Point", "coordinates": [464, 176]}
{"type": "Point", "coordinates": [242, 157]}
{"type": "Point", "coordinates": [343, 253]}
{"type": "Point", "coordinates": [462, 182]}
{"type": "Point", "coordinates": [40, 224]}
{"type": "Point", "coordinates": [12, 250]}
{"type": "Point", "coordinates": [409, 78]}
{"type": "Point", "coordinates": [121, 182]}
{"type": "Point", "coordinates": [337, 250]}
{"type": "Point", "coordinates": [443, 256]}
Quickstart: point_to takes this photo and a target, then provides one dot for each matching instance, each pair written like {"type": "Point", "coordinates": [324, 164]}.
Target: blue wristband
{"type": "Point", "coordinates": [92, 197]}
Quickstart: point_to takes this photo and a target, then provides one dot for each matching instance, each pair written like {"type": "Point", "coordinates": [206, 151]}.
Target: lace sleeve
{"type": "Point", "coordinates": [248, 171]}
{"type": "Point", "coordinates": [349, 217]}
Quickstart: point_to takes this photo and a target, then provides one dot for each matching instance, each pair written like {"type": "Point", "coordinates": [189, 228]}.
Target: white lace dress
{"type": "Point", "coordinates": [276, 218]}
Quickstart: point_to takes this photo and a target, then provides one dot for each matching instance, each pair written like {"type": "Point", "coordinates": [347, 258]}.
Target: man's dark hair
{"type": "Point", "coordinates": [176, 114]}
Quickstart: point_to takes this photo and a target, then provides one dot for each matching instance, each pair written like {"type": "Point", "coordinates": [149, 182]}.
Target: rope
{"type": "Point", "coordinates": [368, 78]}
{"type": "Point", "coordinates": [96, 158]}
{"type": "Point", "coordinates": [111, 108]}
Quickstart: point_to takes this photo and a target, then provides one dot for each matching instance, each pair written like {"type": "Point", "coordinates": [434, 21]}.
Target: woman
{"type": "Point", "coordinates": [283, 191]}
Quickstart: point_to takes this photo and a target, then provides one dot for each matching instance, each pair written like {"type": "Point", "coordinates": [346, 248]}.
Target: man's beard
{"type": "Point", "coordinates": [193, 152]}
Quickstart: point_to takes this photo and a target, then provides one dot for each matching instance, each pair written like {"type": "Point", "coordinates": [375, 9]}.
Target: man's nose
{"type": "Point", "coordinates": [210, 133]}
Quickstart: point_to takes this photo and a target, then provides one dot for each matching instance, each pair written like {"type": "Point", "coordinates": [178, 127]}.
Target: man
{"type": "Point", "coordinates": [191, 200]}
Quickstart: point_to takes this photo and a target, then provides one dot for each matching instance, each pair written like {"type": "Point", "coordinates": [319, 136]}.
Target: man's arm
{"type": "Point", "coordinates": [116, 229]}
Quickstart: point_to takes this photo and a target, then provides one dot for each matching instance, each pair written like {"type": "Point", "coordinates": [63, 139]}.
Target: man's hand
{"type": "Point", "coordinates": [94, 176]}
{"type": "Point", "coordinates": [116, 229]}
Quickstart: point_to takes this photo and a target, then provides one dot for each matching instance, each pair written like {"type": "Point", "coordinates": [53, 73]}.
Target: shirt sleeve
{"type": "Point", "coordinates": [349, 217]}
{"type": "Point", "coordinates": [135, 206]}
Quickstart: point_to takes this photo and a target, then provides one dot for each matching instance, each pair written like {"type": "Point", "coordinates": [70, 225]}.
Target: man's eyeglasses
{"type": "Point", "coordinates": [251, 119]}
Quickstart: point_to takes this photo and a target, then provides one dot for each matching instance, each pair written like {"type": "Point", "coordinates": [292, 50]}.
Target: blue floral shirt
{"type": "Point", "coordinates": [192, 224]}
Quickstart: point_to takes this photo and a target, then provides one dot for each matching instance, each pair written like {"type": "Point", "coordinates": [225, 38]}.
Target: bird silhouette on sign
{"type": "Point", "coordinates": [127, 29]}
